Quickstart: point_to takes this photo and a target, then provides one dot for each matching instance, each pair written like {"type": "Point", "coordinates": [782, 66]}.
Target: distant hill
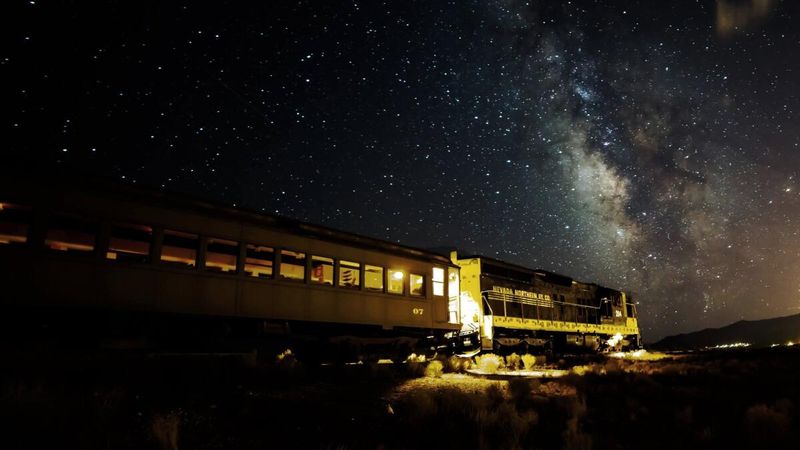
{"type": "Point", "coordinates": [758, 333]}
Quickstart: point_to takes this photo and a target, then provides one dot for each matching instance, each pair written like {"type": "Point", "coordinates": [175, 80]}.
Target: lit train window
{"type": "Point", "coordinates": [293, 266]}
{"type": "Point", "coordinates": [373, 278]}
{"type": "Point", "coordinates": [349, 274]}
{"type": "Point", "coordinates": [322, 270]}
{"type": "Point", "coordinates": [70, 234]}
{"type": "Point", "coordinates": [259, 261]}
{"type": "Point", "coordinates": [417, 284]}
{"type": "Point", "coordinates": [454, 292]}
{"type": "Point", "coordinates": [129, 243]}
{"type": "Point", "coordinates": [14, 223]}
{"type": "Point", "coordinates": [438, 281]}
{"type": "Point", "coordinates": [396, 282]}
{"type": "Point", "coordinates": [180, 249]}
{"type": "Point", "coordinates": [221, 255]}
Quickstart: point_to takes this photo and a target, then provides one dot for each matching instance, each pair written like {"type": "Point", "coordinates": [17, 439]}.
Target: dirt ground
{"type": "Point", "coordinates": [731, 399]}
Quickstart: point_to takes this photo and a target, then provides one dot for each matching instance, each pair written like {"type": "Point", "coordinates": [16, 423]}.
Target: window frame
{"type": "Point", "coordinates": [390, 278]}
{"type": "Point", "coordinates": [273, 270]}
{"type": "Point", "coordinates": [27, 225]}
{"type": "Point", "coordinates": [438, 283]}
{"type": "Point", "coordinates": [208, 241]}
{"type": "Point", "coordinates": [71, 217]}
{"type": "Point", "coordinates": [128, 257]}
{"type": "Point", "coordinates": [382, 277]}
{"type": "Point", "coordinates": [423, 292]}
{"type": "Point", "coordinates": [164, 232]}
{"type": "Point", "coordinates": [310, 277]}
{"type": "Point", "coordinates": [350, 265]}
{"type": "Point", "coordinates": [306, 260]}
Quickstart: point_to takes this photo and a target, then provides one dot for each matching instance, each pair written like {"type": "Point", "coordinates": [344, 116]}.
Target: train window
{"type": "Point", "coordinates": [71, 234]}
{"type": "Point", "coordinates": [373, 278]}
{"type": "Point", "coordinates": [417, 284]}
{"type": "Point", "coordinates": [259, 261]}
{"type": "Point", "coordinates": [129, 243]}
{"type": "Point", "coordinates": [454, 292]}
{"type": "Point", "coordinates": [513, 309]}
{"type": "Point", "coordinates": [14, 223]}
{"type": "Point", "coordinates": [293, 266]}
{"type": "Point", "coordinates": [349, 274]}
{"type": "Point", "coordinates": [396, 282]}
{"type": "Point", "coordinates": [222, 255]}
{"type": "Point", "coordinates": [529, 311]}
{"type": "Point", "coordinates": [322, 270]}
{"type": "Point", "coordinates": [438, 281]}
{"type": "Point", "coordinates": [498, 307]}
{"type": "Point", "coordinates": [180, 249]}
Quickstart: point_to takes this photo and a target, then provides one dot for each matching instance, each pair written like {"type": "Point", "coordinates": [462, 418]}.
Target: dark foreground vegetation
{"type": "Point", "coordinates": [743, 399]}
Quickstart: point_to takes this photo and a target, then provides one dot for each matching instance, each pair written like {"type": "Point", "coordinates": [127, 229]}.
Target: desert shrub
{"type": "Point", "coordinates": [287, 363]}
{"type": "Point", "coordinates": [422, 403]}
{"type": "Point", "coordinates": [164, 428]}
{"type": "Point", "coordinates": [521, 390]}
{"type": "Point", "coordinates": [582, 370]}
{"type": "Point", "coordinates": [574, 437]}
{"type": "Point", "coordinates": [415, 358]}
{"type": "Point", "coordinates": [513, 361]}
{"type": "Point", "coordinates": [528, 361]}
{"type": "Point", "coordinates": [489, 362]}
{"type": "Point", "coordinates": [504, 426]}
{"type": "Point", "coordinates": [434, 369]}
{"type": "Point", "coordinates": [415, 365]}
{"type": "Point", "coordinates": [612, 366]}
{"type": "Point", "coordinates": [286, 358]}
{"type": "Point", "coordinates": [763, 420]}
{"type": "Point", "coordinates": [457, 364]}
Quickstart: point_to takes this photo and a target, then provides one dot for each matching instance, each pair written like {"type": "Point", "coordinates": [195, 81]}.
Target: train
{"type": "Point", "coordinates": [125, 264]}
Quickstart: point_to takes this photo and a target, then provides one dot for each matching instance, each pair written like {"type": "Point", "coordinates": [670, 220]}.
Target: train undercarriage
{"type": "Point", "coordinates": [507, 341]}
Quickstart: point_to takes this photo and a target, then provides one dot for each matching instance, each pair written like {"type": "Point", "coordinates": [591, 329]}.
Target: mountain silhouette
{"type": "Point", "coordinates": [757, 333]}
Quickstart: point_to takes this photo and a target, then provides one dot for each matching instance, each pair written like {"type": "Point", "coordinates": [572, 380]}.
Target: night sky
{"type": "Point", "coordinates": [651, 146]}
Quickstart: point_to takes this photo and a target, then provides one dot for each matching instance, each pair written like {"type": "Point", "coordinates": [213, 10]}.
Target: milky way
{"type": "Point", "coordinates": [648, 146]}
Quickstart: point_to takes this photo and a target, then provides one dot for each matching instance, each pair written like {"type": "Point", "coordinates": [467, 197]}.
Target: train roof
{"type": "Point", "coordinates": [547, 275]}
{"type": "Point", "coordinates": [14, 183]}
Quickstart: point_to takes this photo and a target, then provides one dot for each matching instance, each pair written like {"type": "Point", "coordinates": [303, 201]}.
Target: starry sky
{"type": "Point", "coordinates": [648, 146]}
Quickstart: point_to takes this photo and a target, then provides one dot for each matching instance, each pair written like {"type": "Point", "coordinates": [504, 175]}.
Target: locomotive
{"type": "Point", "coordinates": [94, 258]}
{"type": "Point", "coordinates": [509, 307]}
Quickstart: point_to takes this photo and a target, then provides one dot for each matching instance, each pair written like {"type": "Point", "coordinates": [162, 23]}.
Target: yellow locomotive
{"type": "Point", "coordinates": [508, 306]}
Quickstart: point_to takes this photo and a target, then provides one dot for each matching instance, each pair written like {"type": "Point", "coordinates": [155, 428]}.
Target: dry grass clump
{"type": "Point", "coordinates": [583, 369]}
{"type": "Point", "coordinates": [286, 359]}
{"type": "Point", "coordinates": [528, 361]}
{"type": "Point", "coordinates": [773, 421]}
{"type": "Point", "coordinates": [483, 417]}
{"type": "Point", "coordinates": [457, 364]}
{"type": "Point", "coordinates": [435, 369]}
{"type": "Point", "coordinates": [574, 437]}
{"type": "Point", "coordinates": [557, 389]}
{"type": "Point", "coordinates": [164, 428]}
{"type": "Point", "coordinates": [414, 358]}
{"type": "Point", "coordinates": [513, 361]}
{"type": "Point", "coordinates": [489, 363]}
